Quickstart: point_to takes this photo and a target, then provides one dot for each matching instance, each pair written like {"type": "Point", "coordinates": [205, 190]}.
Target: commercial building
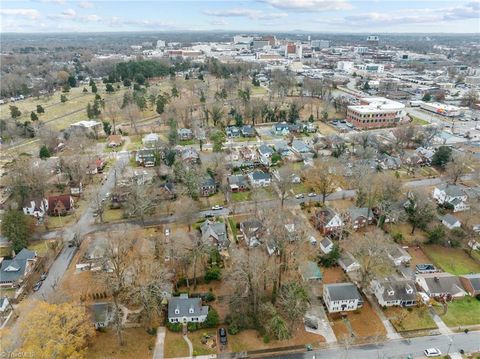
{"type": "Point", "coordinates": [441, 109]}
{"type": "Point", "coordinates": [375, 112]}
{"type": "Point", "coordinates": [320, 44]}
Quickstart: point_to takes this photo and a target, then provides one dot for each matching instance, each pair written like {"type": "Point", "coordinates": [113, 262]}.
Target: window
{"type": "Point", "coordinates": [177, 311]}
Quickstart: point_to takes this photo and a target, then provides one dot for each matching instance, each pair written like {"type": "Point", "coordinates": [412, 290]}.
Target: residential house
{"type": "Point", "coordinates": [5, 306]}
{"type": "Point", "coordinates": [259, 179]}
{"type": "Point", "coordinates": [395, 292]}
{"type": "Point", "coordinates": [265, 151]}
{"type": "Point", "coordinates": [451, 194]}
{"type": "Point", "coordinates": [145, 157]}
{"type": "Point", "coordinates": [76, 188]}
{"type": "Point", "coordinates": [308, 127]}
{"type": "Point", "coordinates": [96, 166]}
{"type": "Point", "coordinates": [190, 155]}
{"type": "Point", "coordinates": [36, 207]}
{"type": "Point", "coordinates": [398, 255]}
{"type": "Point", "coordinates": [281, 129]}
{"type": "Point", "coordinates": [94, 257]}
{"type": "Point", "coordinates": [184, 134]}
{"type": "Point", "coordinates": [284, 150]}
{"type": "Point", "coordinates": [101, 314]}
{"type": "Point", "coordinates": [252, 230]}
{"type": "Point", "coordinates": [238, 183]}
{"type": "Point", "coordinates": [341, 297]}
{"type": "Point", "coordinates": [441, 284]}
{"type": "Point", "coordinates": [232, 132]}
{"type": "Point", "coordinates": [310, 271]}
{"type": "Point", "coordinates": [60, 205]}
{"type": "Point", "coordinates": [215, 233]}
{"type": "Point", "coordinates": [474, 245]}
{"type": "Point", "coordinates": [387, 162]}
{"type": "Point", "coordinates": [248, 154]}
{"type": "Point", "coordinates": [183, 309]}
{"type": "Point", "coordinates": [327, 221]}
{"type": "Point", "coordinates": [208, 186]}
{"type": "Point", "coordinates": [348, 262]}
{"type": "Point", "coordinates": [326, 245]}
{"type": "Point", "coordinates": [247, 131]}
{"type": "Point", "coordinates": [450, 221]}
{"type": "Point", "coordinates": [14, 271]}
{"type": "Point", "coordinates": [425, 154]}
{"type": "Point", "coordinates": [300, 146]}
{"type": "Point", "coordinates": [359, 217]}
{"type": "Point", "coordinates": [151, 140]}
{"type": "Point", "coordinates": [87, 128]}
{"type": "Point", "coordinates": [115, 141]}
{"type": "Point", "coordinates": [471, 283]}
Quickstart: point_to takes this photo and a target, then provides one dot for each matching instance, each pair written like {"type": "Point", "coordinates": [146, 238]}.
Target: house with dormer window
{"type": "Point", "coordinates": [395, 292]}
{"type": "Point", "coordinates": [14, 271]}
{"type": "Point", "coordinates": [183, 309]}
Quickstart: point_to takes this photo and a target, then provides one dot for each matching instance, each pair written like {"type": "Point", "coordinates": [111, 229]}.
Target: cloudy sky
{"type": "Point", "coordinates": [255, 15]}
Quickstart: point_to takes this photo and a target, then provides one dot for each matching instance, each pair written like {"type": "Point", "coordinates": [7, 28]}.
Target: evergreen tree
{"type": "Point", "coordinates": [16, 228]}
{"type": "Point", "coordinates": [15, 112]}
{"type": "Point", "coordinates": [109, 88]}
{"type": "Point", "coordinates": [63, 98]}
{"type": "Point", "coordinates": [44, 152]}
{"type": "Point", "coordinates": [33, 116]}
{"type": "Point", "coordinates": [94, 88]}
{"type": "Point", "coordinates": [40, 109]}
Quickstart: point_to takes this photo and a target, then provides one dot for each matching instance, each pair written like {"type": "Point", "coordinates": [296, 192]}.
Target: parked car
{"type": "Point", "coordinates": [312, 194]}
{"type": "Point", "coordinates": [300, 195]}
{"type": "Point", "coordinates": [216, 207]}
{"type": "Point", "coordinates": [43, 276]}
{"type": "Point", "coordinates": [432, 352]}
{"type": "Point", "coordinates": [37, 286]}
{"type": "Point", "coordinates": [222, 333]}
{"type": "Point", "coordinates": [167, 231]}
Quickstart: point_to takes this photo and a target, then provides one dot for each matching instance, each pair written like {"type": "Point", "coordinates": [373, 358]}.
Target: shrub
{"type": "Point", "coordinates": [193, 326]}
{"type": "Point", "coordinates": [212, 319]}
{"type": "Point", "coordinates": [397, 237]}
{"type": "Point", "coordinates": [209, 297]}
{"type": "Point", "coordinates": [233, 329]}
{"type": "Point", "coordinates": [266, 339]}
{"type": "Point", "coordinates": [213, 273]}
{"type": "Point", "coordinates": [410, 309]}
{"type": "Point", "coordinates": [174, 327]}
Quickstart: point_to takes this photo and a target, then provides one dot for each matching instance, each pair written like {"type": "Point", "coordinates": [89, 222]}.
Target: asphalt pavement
{"type": "Point", "coordinates": [397, 349]}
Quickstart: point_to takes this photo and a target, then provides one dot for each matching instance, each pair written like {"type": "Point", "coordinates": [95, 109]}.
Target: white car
{"type": "Point", "coordinates": [312, 194]}
{"type": "Point", "coordinates": [300, 195]}
{"type": "Point", "coordinates": [216, 207]}
{"type": "Point", "coordinates": [167, 231]}
{"type": "Point", "coordinates": [432, 352]}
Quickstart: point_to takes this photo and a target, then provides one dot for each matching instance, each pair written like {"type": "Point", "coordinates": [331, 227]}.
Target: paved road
{"type": "Point", "coordinates": [81, 227]}
{"type": "Point", "coordinates": [397, 349]}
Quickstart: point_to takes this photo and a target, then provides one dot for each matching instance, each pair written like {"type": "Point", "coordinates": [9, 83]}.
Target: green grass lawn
{"type": "Point", "coordinates": [404, 319]}
{"type": "Point", "coordinates": [452, 260]}
{"type": "Point", "coordinates": [5, 251]}
{"type": "Point", "coordinates": [241, 196]}
{"type": "Point", "coordinates": [187, 142]}
{"type": "Point", "coordinates": [38, 246]}
{"type": "Point", "coordinates": [418, 121]}
{"type": "Point", "coordinates": [233, 226]}
{"type": "Point", "coordinates": [259, 90]}
{"type": "Point", "coordinates": [464, 311]}
{"type": "Point", "coordinates": [111, 215]}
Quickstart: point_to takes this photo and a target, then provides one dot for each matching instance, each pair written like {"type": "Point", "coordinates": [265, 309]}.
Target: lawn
{"type": "Point", "coordinates": [112, 215]}
{"type": "Point", "coordinates": [241, 196]}
{"type": "Point", "coordinates": [405, 229]}
{"type": "Point", "coordinates": [414, 318]}
{"type": "Point", "coordinates": [233, 226]}
{"type": "Point", "coordinates": [187, 142]}
{"type": "Point", "coordinates": [139, 344]}
{"type": "Point", "coordinates": [5, 251]}
{"type": "Point", "coordinates": [174, 346]}
{"type": "Point", "coordinates": [452, 260]}
{"type": "Point", "coordinates": [259, 90]}
{"type": "Point", "coordinates": [41, 247]}
{"type": "Point", "coordinates": [460, 312]}
{"type": "Point", "coordinates": [7, 292]}
{"type": "Point", "coordinates": [418, 121]}
{"type": "Point", "coordinates": [251, 340]}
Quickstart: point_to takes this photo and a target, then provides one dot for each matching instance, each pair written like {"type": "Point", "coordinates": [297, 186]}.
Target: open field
{"type": "Point", "coordinates": [405, 229]}
{"type": "Point", "coordinates": [460, 312]}
{"type": "Point", "coordinates": [241, 196]}
{"type": "Point", "coordinates": [139, 344]}
{"type": "Point", "coordinates": [413, 318]}
{"type": "Point", "coordinates": [452, 260]}
{"type": "Point", "coordinates": [418, 121]}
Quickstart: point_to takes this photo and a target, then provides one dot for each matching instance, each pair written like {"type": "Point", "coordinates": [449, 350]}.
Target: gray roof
{"type": "Point", "coordinates": [327, 214]}
{"type": "Point", "coordinates": [403, 290]}
{"type": "Point", "coordinates": [14, 269]}
{"type": "Point", "coordinates": [239, 180]}
{"type": "Point", "coordinates": [264, 149]}
{"type": "Point", "coordinates": [184, 304]}
{"type": "Point", "coordinates": [251, 227]}
{"type": "Point", "coordinates": [216, 230]}
{"type": "Point", "coordinates": [347, 259]}
{"type": "Point", "coordinates": [260, 176]}
{"type": "Point", "coordinates": [300, 146]}
{"type": "Point", "coordinates": [442, 283]}
{"type": "Point", "coordinates": [452, 190]}
{"type": "Point", "coordinates": [101, 312]}
{"type": "Point", "coordinates": [326, 242]}
{"type": "Point", "coordinates": [208, 182]}
{"type": "Point", "coordinates": [474, 280]}
{"type": "Point", "coordinates": [356, 212]}
{"type": "Point", "coordinates": [343, 291]}
{"type": "Point", "coordinates": [451, 220]}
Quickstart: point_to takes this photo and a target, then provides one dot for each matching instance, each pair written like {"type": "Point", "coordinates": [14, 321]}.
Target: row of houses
{"type": "Point", "coordinates": [52, 205]}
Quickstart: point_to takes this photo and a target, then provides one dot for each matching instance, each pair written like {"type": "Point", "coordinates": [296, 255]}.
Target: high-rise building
{"type": "Point", "coordinates": [160, 44]}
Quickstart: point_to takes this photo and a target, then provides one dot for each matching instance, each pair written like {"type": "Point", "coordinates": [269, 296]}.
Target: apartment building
{"type": "Point", "coordinates": [375, 112]}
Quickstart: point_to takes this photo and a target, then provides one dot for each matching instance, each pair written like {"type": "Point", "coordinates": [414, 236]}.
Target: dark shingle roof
{"type": "Point", "coordinates": [343, 291]}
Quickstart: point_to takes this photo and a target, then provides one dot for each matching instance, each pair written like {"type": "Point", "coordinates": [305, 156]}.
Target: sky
{"type": "Point", "coordinates": [339, 16]}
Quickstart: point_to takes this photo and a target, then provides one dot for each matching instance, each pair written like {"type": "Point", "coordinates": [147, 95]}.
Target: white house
{"type": "Point", "coordinates": [341, 297]}
{"type": "Point", "coordinates": [327, 221]}
{"type": "Point", "coordinates": [453, 195]}
{"type": "Point", "coordinates": [259, 179]}
{"type": "Point", "coordinates": [348, 262]}
{"type": "Point", "coordinates": [392, 292]}
{"type": "Point", "coordinates": [326, 245]}
{"type": "Point", "coordinates": [36, 207]}
{"type": "Point", "coordinates": [451, 222]}
{"type": "Point", "coordinates": [151, 140]}
{"type": "Point", "coordinates": [398, 255]}
{"type": "Point", "coordinates": [186, 310]}
{"type": "Point", "coordinates": [440, 284]}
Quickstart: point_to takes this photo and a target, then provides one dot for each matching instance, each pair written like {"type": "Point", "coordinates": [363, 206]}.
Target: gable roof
{"type": "Point", "coordinates": [217, 230]}
{"type": "Point", "coordinates": [347, 259]}
{"type": "Point", "coordinates": [342, 291]}
{"type": "Point", "coordinates": [442, 283]}
{"type": "Point", "coordinates": [356, 212]}
{"type": "Point", "coordinates": [326, 214]}
{"type": "Point", "coordinates": [264, 149]}
{"type": "Point", "coordinates": [474, 280]}
{"type": "Point", "coordinates": [65, 199]}
{"type": "Point", "coordinates": [260, 176]}
{"type": "Point", "coordinates": [14, 269]}
{"type": "Point", "coordinates": [452, 190]}
{"type": "Point", "coordinates": [183, 304]}
{"type": "Point", "coordinates": [451, 220]}
{"type": "Point", "coordinates": [402, 289]}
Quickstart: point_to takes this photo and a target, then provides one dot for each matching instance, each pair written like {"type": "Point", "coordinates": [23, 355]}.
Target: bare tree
{"type": "Point", "coordinates": [458, 166]}
{"type": "Point", "coordinates": [283, 180]}
{"type": "Point", "coordinates": [187, 211]}
{"type": "Point", "coordinates": [112, 112]}
{"type": "Point", "coordinates": [132, 114]}
{"type": "Point", "coordinates": [324, 177]}
{"type": "Point", "coordinates": [140, 202]}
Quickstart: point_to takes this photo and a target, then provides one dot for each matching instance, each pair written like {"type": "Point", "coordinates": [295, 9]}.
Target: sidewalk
{"type": "Point", "coordinates": [442, 327]}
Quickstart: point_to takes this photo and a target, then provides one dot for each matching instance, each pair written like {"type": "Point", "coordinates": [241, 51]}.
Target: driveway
{"type": "Point", "coordinates": [159, 344]}
{"type": "Point", "coordinates": [442, 327]}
